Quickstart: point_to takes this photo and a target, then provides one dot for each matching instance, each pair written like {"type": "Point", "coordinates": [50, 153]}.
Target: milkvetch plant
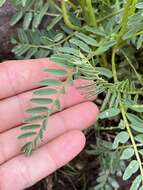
{"type": "Point", "coordinates": [100, 41]}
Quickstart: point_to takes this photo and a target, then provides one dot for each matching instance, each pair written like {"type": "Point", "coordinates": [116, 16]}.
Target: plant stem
{"type": "Point", "coordinates": [124, 20]}
{"type": "Point", "coordinates": [66, 17]}
{"type": "Point", "coordinates": [88, 12]}
{"type": "Point", "coordinates": [114, 64]}
{"type": "Point", "coordinates": [133, 7]}
{"type": "Point", "coordinates": [104, 60]}
{"type": "Point", "coordinates": [130, 146]}
{"type": "Point", "coordinates": [120, 35]}
{"type": "Point", "coordinates": [132, 139]}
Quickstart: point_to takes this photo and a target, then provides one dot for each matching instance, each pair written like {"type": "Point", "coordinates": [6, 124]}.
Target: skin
{"type": "Point", "coordinates": [63, 139]}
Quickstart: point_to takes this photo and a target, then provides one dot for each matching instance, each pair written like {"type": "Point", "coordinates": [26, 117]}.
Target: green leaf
{"type": "Point", "coordinates": [122, 137]}
{"type": "Point", "coordinates": [104, 46]}
{"type": "Point", "coordinates": [34, 118]}
{"type": "Point", "coordinates": [70, 81]}
{"type": "Point", "coordinates": [27, 20]}
{"type": "Point", "coordinates": [58, 104]}
{"type": "Point", "coordinates": [113, 183]}
{"type": "Point", "coordinates": [24, 2]}
{"type": "Point", "coordinates": [56, 72]}
{"type": "Point", "coordinates": [111, 112]}
{"type": "Point", "coordinates": [131, 169]}
{"type": "Point", "coordinates": [31, 52]}
{"type": "Point", "coordinates": [139, 138]}
{"type": "Point", "coordinates": [37, 110]}
{"type": "Point", "coordinates": [69, 50]}
{"type": "Point", "coordinates": [138, 128]}
{"type": "Point", "coordinates": [83, 46]}
{"type": "Point", "coordinates": [42, 100]}
{"type": "Point", "coordinates": [26, 135]}
{"type": "Point", "coordinates": [87, 39]}
{"type": "Point", "coordinates": [54, 22]}
{"type": "Point", "coordinates": [127, 154]}
{"type": "Point", "coordinates": [137, 108]}
{"type": "Point", "coordinates": [50, 82]}
{"type": "Point", "coordinates": [30, 127]}
{"type": "Point", "coordinates": [27, 148]}
{"type": "Point", "coordinates": [141, 152]}
{"type": "Point", "coordinates": [16, 18]}
{"type": "Point", "coordinates": [38, 18]}
{"type": "Point", "coordinates": [23, 37]}
{"type": "Point", "coordinates": [136, 183]}
{"type": "Point", "coordinates": [58, 37]}
{"type": "Point", "coordinates": [48, 91]}
{"type": "Point", "coordinates": [96, 31]}
{"type": "Point", "coordinates": [20, 49]}
{"type": "Point", "coordinates": [139, 5]}
{"type": "Point", "coordinates": [2, 2]}
{"type": "Point", "coordinates": [104, 72]}
{"type": "Point", "coordinates": [134, 119]}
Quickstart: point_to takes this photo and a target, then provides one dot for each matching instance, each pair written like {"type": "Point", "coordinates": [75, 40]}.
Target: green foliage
{"type": "Point", "coordinates": [102, 44]}
{"type": "Point", "coordinates": [2, 2]}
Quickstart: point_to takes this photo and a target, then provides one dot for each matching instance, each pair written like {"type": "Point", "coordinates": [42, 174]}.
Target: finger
{"type": "Point", "coordinates": [23, 172]}
{"type": "Point", "coordinates": [12, 110]}
{"type": "Point", "coordinates": [77, 117]}
{"type": "Point", "coordinates": [19, 76]}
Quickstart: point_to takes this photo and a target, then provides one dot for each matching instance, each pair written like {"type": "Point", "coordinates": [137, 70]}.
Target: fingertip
{"type": "Point", "coordinates": [79, 139]}
{"type": "Point", "coordinates": [89, 112]}
{"type": "Point", "coordinates": [93, 108]}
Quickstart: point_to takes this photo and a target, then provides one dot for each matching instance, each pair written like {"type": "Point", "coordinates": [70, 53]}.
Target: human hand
{"type": "Point", "coordinates": [63, 138]}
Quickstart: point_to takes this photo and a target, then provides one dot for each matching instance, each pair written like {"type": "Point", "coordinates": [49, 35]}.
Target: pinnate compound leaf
{"type": "Point", "coordinates": [122, 137]}
{"type": "Point", "coordinates": [131, 169]}
{"type": "Point", "coordinates": [127, 154]}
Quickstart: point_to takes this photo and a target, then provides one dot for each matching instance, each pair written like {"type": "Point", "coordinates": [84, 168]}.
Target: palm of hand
{"type": "Point", "coordinates": [63, 139]}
